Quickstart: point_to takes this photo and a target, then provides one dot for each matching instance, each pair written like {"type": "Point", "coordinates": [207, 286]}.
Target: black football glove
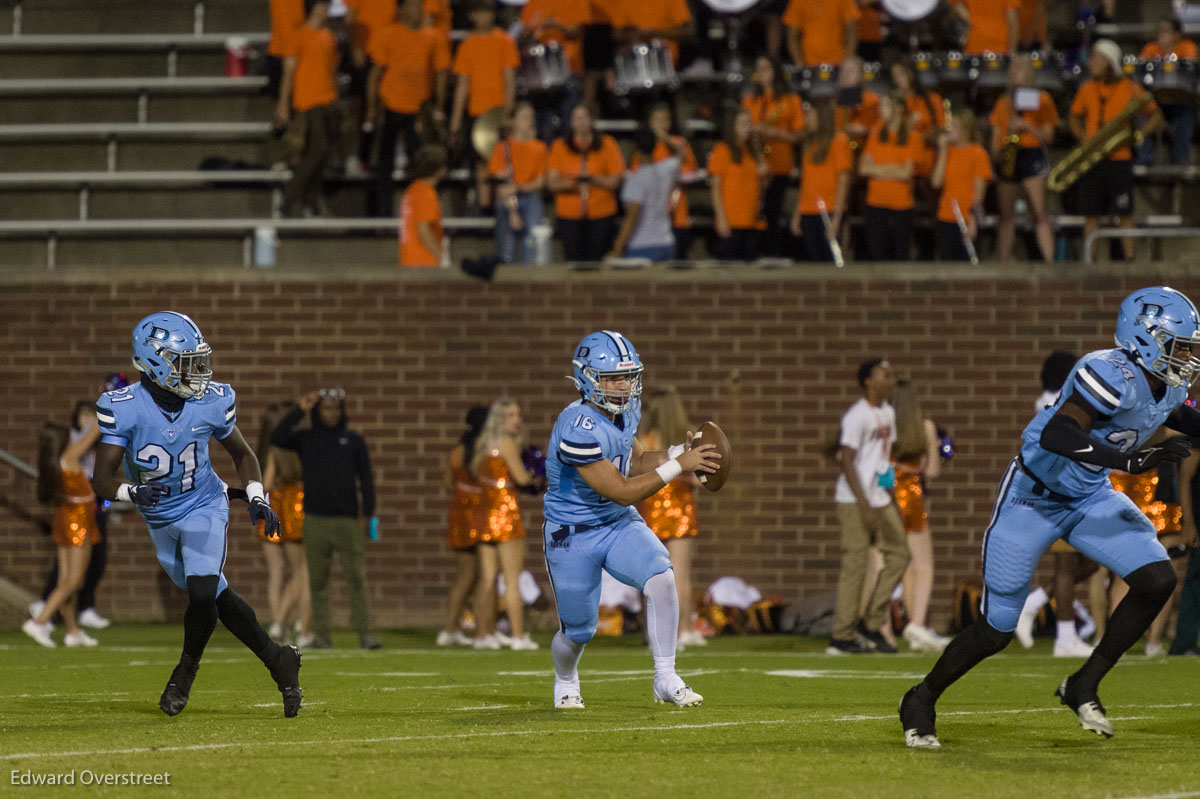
{"type": "Point", "coordinates": [1173, 450]}
{"type": "Point", "coordinates": [260, 511]}
{"type": "Point", "coordinates": [147, 495]}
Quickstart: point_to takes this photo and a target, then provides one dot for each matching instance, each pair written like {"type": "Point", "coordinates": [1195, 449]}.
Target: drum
{"type": "Point", "coordinates": [925, 67]}
{"type": "Point", "coordinates": [1172, 80]}
{"type": "Point", "coordinates": [1049, 71]}
{"type": "Point", "coordinates": [990, 71]}
{"type": "Point", "coordinates": [819, 82]}
{"type": "Point", "coordinates": [1129, 65]}
{"type": "Point", "coordinates": [953, 69]}
{"type": "Point", "coordinates": [544, 71]}
{"type": "Point", "coordinates": [644, 68]}
{"type": "Point", "coordinates": [874, 78]}
{"type": "Point", "coordinates": [909, 10]}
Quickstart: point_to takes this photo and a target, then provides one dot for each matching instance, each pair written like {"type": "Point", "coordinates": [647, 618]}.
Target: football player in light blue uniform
{"type": "Point", "coordinates": [596, 471]}
{"type": "Point", "coordinates": [159, 430]}
{"type": "Point", "coordinates": [1110, 407]}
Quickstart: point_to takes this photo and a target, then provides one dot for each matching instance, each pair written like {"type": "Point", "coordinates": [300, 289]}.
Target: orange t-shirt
{"type": "Point", "coordinates": [1046, 114]}
{"type": "Point", "coordinates": [870, 27]}
{"type": "Point", "coordinates": [739, 186]}
{"type": "Point", "coordinates": [656, 15]}
{"type": "Point", "coordinates": [688, 166]}
{"type": "Point", "coordinates": [989, 24]}
{"type": "Point", "coordinates": [410, 60]}
{"type": "Point", "coordinates": [784, 113]}
{"type": "Point", "coordinates": [483, 59]}
{"type": "Point", "coordinates": [1025, 15]}
{"type": "Point", "coordinates": [865, 113]}
{"type": "Point", "coordinates": [916, 105]}
{"type": "Point", "coordinates": [1185, 49]}
{"type": "Point", "coordinates": [419, 204]}
{"type": "Point", "coordinates": [824, 26]}
{"type": "Point", "coordinates": [567, 12]}
{"type": "Point", "coordinates": [528, 159]}
{"type": "Point", "coordinates": [315, 51]}
{"type": "Point", "coordinates": [606, 160]}
{"type": "Point", "coordinates": [885, 192]}
{"type": "Point", "coordinates": [819, 181]}
{"type": "Point", "coordinates": [964, 165]}
{"type": "Point", "coordinates": [286, 17]}
{"type": "Point", "coordinates": [1100, 102]}
{"type": "Point", "coordinates": [370, 16]}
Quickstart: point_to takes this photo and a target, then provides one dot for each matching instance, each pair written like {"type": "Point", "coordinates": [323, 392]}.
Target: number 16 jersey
{"type": "Point", "coordinates": [583, 435]}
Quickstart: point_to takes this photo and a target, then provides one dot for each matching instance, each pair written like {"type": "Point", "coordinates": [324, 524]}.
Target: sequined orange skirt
{"type": "Point", "coordinates": [75, 525]}
{"type": "Point", "coordinates": [503, 519]}
{"type": "Point", "coordinates": [910, 499]}
{"type": "Point", "coordinates": [1167, 517]}
{"type": "Point", "coordinates": [288, 504]}
{"type": "Point", "coordinates": [465, 518]}
{"type": "Point", "coordinates": [671, 513]}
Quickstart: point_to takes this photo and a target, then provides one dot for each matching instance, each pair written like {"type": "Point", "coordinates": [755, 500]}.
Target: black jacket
{"type": "Point", "coordinates": [331, 458]}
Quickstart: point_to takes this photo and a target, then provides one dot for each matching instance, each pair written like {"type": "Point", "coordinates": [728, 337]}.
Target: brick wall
{"type": "Point", "coordinates": [770, 355]}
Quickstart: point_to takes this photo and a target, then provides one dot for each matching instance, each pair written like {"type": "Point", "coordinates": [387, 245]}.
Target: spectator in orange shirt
{"type": "Point", "coordinates": [1024, 163]}
{"type": "Point", "coordinates": [826, 170]}
{"type": "Point", "coordinates": [821, 32]}
{"type": "Point", "coordinates": [1031, 26]}
{"type": "Point", "coordinates": [560, 22]}
{"type": "Point", "coordinates": [737, 174]}
{"type": "Point", "coordinates": [519, 162]}
{"type": "Point", "coordinates": [777, 117]}
{"type": "Point", "coordinates": [962, 172]}
{"type": "Point", "coordinates": [1180, 117]}
{"type": "Point", "coordinates": [485, 69]}
{"type": "Point", "coordinates": [661, 124]}
{"type": "Point", "coordinates": [584, 173]}
{"type": "Point", "coordinates": [409, 67]}
{"type": "Point", "coordinates": [421, 211]}
{"type": "Point", "coordinates": [364, 18]}
{"type": "Point", "coordinates": [994, 25]}
{"type": "Point", "coordinates": [1107, 188]}
{"type": "Point", "coordinates": [889, 162]}
{"type": "Point", "coordinates": [309, 89]}
{"type": "Point", "coordinates": [287, 16]}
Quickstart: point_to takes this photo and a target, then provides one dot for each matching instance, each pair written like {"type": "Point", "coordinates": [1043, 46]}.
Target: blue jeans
{"type": "Point", "coordinates": [531, 211]}
{"type": "Point", "coordinates": [1181, 124]}
{"type": "Point", "coordinates": [663, 252]}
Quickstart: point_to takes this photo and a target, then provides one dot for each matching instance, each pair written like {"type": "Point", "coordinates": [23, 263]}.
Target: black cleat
{"type": "Point", "coordinates": [1088, 708]}
{"type": "Point", "coordinates": [175, 697]}
{"type": "Point", "coordinates": [917, 716]}
{"type": "Point", "coordinates": [287, 676]}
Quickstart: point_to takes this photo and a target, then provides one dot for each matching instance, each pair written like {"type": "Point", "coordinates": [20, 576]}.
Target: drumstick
{"type": "Point", "coordinates": [830, 234]}
{"type": "Point", "coordinates": [966, 237]}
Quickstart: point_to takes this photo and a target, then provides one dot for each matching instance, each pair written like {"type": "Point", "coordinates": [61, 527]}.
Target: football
{"type": "Point", "coordinates": [709, 433]}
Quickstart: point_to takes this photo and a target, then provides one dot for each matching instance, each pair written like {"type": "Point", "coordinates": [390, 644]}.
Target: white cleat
{"type": "Point", "coordinates": [523, 644]}
{"type": "Point", "coordinates": [683, 696]}
{"type": "Point", "coordinates": [914, 741]}
{"type": "Point", "coordinates": [80, 639]}
{"type": "Point", "coordinates": [1073, 647]}
{"type": "Point", "coordinates": [1025, 628]}
{"type": "Point", "coordinates": [569, 702]}
{"type": "Point", "coordinates": [90, 618]}
{"type": "Point", "coordinates": [39, 633]}
{"type": "Point", "coordinates": [1091, 714]}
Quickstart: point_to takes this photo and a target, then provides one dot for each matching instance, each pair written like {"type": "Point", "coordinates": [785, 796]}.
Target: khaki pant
{"type": "Point", "coordinates": [324, 535]}
{"type": "Point", "coordinates": [890, 539]}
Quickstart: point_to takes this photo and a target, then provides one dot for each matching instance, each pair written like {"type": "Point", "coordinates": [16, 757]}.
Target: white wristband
{"type": "Point", "coordinates": [669, 471]}
{"type": "Point", "coordinates": [676, 451]}
{"type": "Point", "coordinates": [123, 492]}
{"type": "Point", "coordinates": [254, 490]}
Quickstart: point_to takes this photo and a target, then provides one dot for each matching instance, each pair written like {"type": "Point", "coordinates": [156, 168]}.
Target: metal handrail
{"type": "Point", "coordinates": [18, 464]}
{"type": "Point", "coordinates": [1136, 233]}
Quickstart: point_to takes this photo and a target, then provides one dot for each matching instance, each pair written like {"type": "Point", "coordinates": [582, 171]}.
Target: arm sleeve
{"type": "Point", "coordinates": [284, 435]}
{"type": "Point", "coordinates": [106, 418]}
{"type": "Point", "coordinates": [366, 478]}
{"type": "Point", "coordinates": [579, 447]}
{"type": "Point", "coordinates": [1100, 384]}
{"type": "Point", "coordinates": [1063, 436]}
{"type": "Point", "coordinates": [226, 415]}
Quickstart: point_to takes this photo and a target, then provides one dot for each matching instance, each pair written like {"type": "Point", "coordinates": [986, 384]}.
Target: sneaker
{"type": "Point", "coordinates": [446, 638]}
{"type": "Point", "coordinates": [1073, 647]}
{"type": "Point", "coordinates": [39, 633]}
{"type": "Point", "coordinates": [1088, 708]}
{"type": "Point", "coordinates": [175, 696]}
{"type": "Point", "coordinates": [275, 631]}
{"type": "Point", "coordinates": [850, 646]}
{"type": "Point", "coordinates": [80, 639]}
{"type": "Point", "coordinates": [505, 640]}
{"type": "Point", "coordinates": [923, 639]}
{"type": "Point", "coordinates": [305, 641]}
{"type": "Point", "coordinates": [320, 642]}
{"type": "Point", "coordinates": [692, 638]}
{"type": "Point", "coordinates": [1025, 628]}
{"type": "Point", "coordinates": [918, 717]}
{"type": "Point", "coordinates": [880, 644]}
{"type": "Point", "coordinates": [523, 644]}
{"type": "Point", "coordinates": [287, 677]}
{"type": "Point", "coordinates": [369, 641]}
{"type": "Point", "coordinates": [680, 696]}
{"type": "Point", "coordinates": [1153, 650]}
{"type": "Point", "coordinates": [35, 608]}
{"type": "Point", "coordinates": [486, 642]}
{"type": "Point", "coordinates": [90, 618]}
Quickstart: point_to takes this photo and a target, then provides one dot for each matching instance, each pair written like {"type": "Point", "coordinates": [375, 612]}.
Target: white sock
{"type": "Point", "coordinates": [662, 621]}
{"type": "Point", "coordinates": [1036, 599]}
{"type": "Point", "coordinates": [566, 654]}
{"type": "Point", "coordinates": [1066, 630]}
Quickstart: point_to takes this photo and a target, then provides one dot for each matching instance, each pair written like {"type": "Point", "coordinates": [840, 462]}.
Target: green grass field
{"type": "Point", "coordinates": [779, 719]}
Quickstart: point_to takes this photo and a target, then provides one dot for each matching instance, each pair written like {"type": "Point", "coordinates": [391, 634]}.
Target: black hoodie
{"type": "Point", "coordinates": [331, 458]}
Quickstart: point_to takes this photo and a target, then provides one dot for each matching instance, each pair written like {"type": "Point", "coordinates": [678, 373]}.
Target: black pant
{"type": "Point", "coordinates": [383, 186]}
{"type": "Point", "coordinates": [274, 70]}
{"type": "Point", "coordinates": [741, 245]}
{"type": "Point", "coordinates": [889, 233]}
{"type": "Point", "coordinates": [586, 239]}
{"type": "Point", "coordinates": [320, 134]}
{"type": "Point", "coordinates": [778, 237]}
{"type": "Point", "coordinates": [950, 242]}
{"type": "Point", "coordinates": [683, 242]}
{"type": "Point", "coordinates": [812, 236]}
{"type": "Point", "coordinates": [86, 598]}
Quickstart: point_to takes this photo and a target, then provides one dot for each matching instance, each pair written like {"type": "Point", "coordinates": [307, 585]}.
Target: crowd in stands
{"type": "Point", "coordinates": [842, 133]}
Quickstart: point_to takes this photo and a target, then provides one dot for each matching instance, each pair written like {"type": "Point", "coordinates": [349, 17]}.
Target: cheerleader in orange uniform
{"type": "Point", "coordinates": [671, 513]}
{"type": "Point", "coordinates": [288, 589]}
{"type": "Point", "coordinates": [497, 465]}
{"type": "Point", "coordinates": [463, 535]}
{"type": "Point", "coordinates": [61, 478]}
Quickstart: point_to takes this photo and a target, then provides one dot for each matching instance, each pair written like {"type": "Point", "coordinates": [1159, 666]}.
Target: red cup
{"type": "Point", "coordinates": [237, 53]}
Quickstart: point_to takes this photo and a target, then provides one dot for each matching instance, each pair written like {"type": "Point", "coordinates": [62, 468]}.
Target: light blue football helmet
{"type": "Point", "coordinates": [1161, 328]}
{"type": "Point", "coordinates": [602, 356]}
{"type": "Point", "coordinates": [171, 350]}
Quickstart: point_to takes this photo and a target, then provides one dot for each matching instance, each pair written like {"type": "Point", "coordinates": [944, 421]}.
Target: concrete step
{"type": "Point", "coordinates": [207, 203]}
{"type": "Point", "coordinates": [135, 16]}
{"type": "Point", "coordinates": [122, 64]}
{"type": "Point", "coordinates": [124, 108]}
{"type": "Point", "coordinates": [135, 155]}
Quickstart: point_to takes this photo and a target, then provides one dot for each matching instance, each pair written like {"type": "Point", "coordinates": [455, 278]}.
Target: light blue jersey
{"type": "Point", "coordinates": [171, 448]}
{"type": "Point", "coordinates": [583, 435]}
{"type": "Point", "coordinates": [1118, 390]}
